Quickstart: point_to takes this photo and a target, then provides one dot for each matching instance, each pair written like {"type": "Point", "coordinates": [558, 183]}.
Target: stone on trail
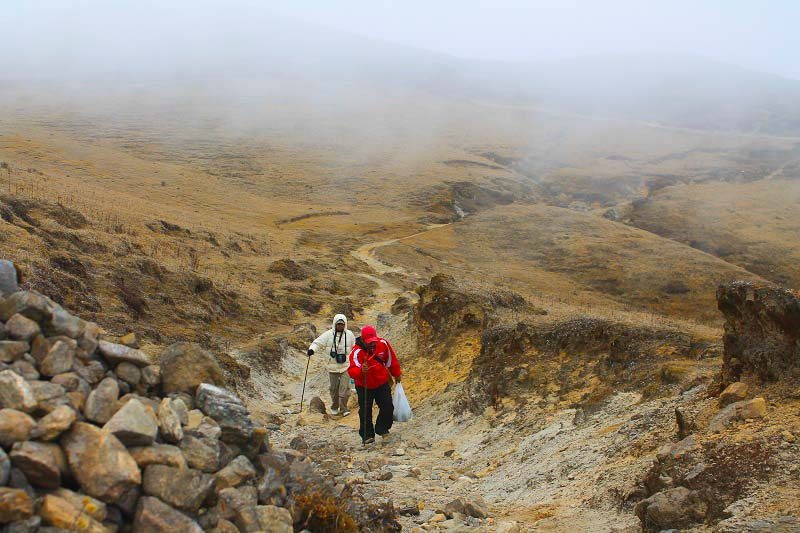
{"type": "Point", "coordinates": [15, 392]}
{"type": "Point", "coordinates": [184, 366]}
{"type": "Point", "coordinates": [15, 426]}
{"type": "Point", "coordinates": [60, 513]}
{"type": "Point", "coordinates": [15, 504]}
{"type": "Point", "coordinates": [42, 463]}
{"type": "Point", "coordinates": [158, 454]}
{"type": "Point", "coordinates": [10, 351]}
{"type": "Point", "coordinates": [316, 405]}
{"type": "Point", "coordinates": [134, 424]}
{"type": "Point", "coordinates": [155, 516]}
{"type": "Point", "coordinates": [755, 408]}
{"type": "Point", "coordinates": [100, 463]}
{"type": "Point", "coordinates": [118, 353]}
{"type": "Point", "coordinates": [102, 402]}
{"type": "Point", "coordinates": [8, 278]}
{"type": "Point", "coordinates": [735, 392]}
{"type": "Point", "coordinates": [475, 507]}
{"type": "Point", "coordinates": [54, 423]}
{"type": "Point", "coordinates": [184, 489]}
{"type": "Point", "coordinates": [227, 410]}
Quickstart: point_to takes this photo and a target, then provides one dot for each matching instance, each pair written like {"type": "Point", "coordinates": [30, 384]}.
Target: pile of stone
{"type": "Point", "coordinates": [97, 436]}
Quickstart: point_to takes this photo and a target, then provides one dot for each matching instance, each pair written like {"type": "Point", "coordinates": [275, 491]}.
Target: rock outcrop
{"type": "Point", "coordinates": [762, 331]}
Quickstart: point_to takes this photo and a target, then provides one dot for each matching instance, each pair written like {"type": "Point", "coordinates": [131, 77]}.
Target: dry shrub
{"type": "Point", "coordinates": [320, 512]}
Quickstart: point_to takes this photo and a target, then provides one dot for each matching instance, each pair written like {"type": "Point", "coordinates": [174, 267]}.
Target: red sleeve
{"type": "Point", "coordinates": [353, 371]}
{"type": "Point", "coordinates": [394, 368]}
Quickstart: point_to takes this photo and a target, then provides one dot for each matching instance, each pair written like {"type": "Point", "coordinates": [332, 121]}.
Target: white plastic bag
{"type": "Point", "coordinates": [402, 410]}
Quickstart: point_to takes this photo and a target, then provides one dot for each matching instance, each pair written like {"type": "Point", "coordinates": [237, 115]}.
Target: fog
{"type": "Point", "coordinates": [722, 65]}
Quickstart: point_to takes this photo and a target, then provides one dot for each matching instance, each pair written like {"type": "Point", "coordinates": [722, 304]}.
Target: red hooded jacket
{"type": "Point", "coordinates": [380, 364]}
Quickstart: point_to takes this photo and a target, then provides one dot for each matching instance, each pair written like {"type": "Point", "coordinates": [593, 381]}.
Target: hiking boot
{"type": "Point", "coordinates": [369, 441]}
{"type": "Point", "coordinates": [335, 412]}
{"type": "Point", "coordinates": [389, 438]}
{"type": "Point", "coordinates": [345, 413]}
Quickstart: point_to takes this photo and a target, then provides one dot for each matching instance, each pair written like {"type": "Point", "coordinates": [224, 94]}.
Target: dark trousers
{"type": "Point", "coordinates": [383, 397]}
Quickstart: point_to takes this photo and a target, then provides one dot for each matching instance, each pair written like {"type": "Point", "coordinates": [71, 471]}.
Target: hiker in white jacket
{"type": "Point", "coordinates": [335, 344]}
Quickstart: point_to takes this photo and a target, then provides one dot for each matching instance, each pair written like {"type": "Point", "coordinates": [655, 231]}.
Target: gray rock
{"type": "Point", "coordinates": [168, 422]}
{"type": "Point", "coordinates": [59, 358]}
{"type": "Point", "coordinates": [25, 369]}
{"type": "Point", "coordinates": [134, 424]}
{"type": "Point", "coordinates": [42, 463]}
{"type": "Point", "coordinates": [15, 392]}
{"type": "Point", "coordinates": [119, 353]}
{"type": "Point", "coordinates": [48, 395]}
{"type": "Point", "coordinates": [54, 424]}
{"type": "Point", "coordinates": [8, 278]}
{"type": "Point", "coordinates": [201, 453]}
{"type": "Point", "coordinates": [102, 402]}
{"type": "Point", "coordinates": [31, 304]}
{"type": "Point", "coordinates": [92, 372]}
{"type": "Point", "coordinates": [72, 382]}
{"type": "Point", "coordinates": [184, 489]}
{"type": "Point", "coordinates": [129, 373]}
{"type": "Point", "coordinates": [5, 468]}
{"type": "Point", "coordinates": [155, 516]}
{"type": "Point", "coordinates": [62, 323]}
{"type": "Point", "coordinates": [674, 508]}
{"type": "Point", "coordinates": [10, 351]}
{"type": "Point", "coordinates": [22, 328]}
{"type": "Point", "coordinates": [151, 375]}
{"type": "Point", "coordinates": [229, 412]}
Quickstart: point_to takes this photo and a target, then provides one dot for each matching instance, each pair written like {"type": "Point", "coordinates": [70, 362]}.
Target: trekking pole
{"type": "Point", "coordinates": [304, 385]}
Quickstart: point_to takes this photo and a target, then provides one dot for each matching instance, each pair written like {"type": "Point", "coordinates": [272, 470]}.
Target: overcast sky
{"type": "Point", "coordinates": [759, 34]}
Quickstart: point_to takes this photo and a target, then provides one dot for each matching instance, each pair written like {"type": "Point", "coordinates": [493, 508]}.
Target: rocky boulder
{"type": "Point", "coordinates": [8, 278]}
{"type": "Point", "coordinates": [134, 424]}
{"type": "Point", "coordinates": [184, 366]}
{"type": "Point", "coordinates": [16, 393]}
{"type": "Point", "coordinates": [227, 410]}
{"type": "Point", "coordinates": [15, 426]}
{"type": "Point", "coordinates": [100, 463]}
{"type": "Point", "coordinates": [672, 509]}
{"type": "Point", "coordinates": [155, 516]}
{"type": "Point", "coordinates": [762, 330]}
{"type": "Point", "coordinates": [185, 489]}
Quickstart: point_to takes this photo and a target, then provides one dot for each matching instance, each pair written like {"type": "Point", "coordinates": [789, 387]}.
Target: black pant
{"type": "Point", "coordinates": [383, 397]}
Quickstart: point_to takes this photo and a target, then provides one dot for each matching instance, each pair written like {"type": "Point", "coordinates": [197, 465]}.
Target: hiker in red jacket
{"type": "Point", "coordinates": [372, 362]}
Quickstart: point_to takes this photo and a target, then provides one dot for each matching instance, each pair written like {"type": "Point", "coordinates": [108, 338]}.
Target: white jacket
{"type": "Point", "coordinates": [345, 341]}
